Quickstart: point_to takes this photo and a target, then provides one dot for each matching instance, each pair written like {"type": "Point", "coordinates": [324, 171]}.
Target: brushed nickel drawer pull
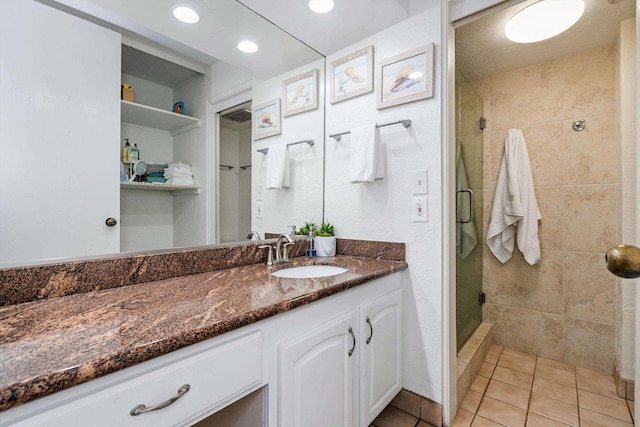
{"type": "Point", "coordinates": [354, 341]}
{"type": "Point", "coordinates": [141, 409]}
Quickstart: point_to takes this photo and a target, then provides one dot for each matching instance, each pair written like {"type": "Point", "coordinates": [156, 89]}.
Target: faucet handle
{"type": "Point", "coordinates": [285, 252]}
{"type": "Point", "coordinates": [293, 229]}
{"type": "Point", "coordinates": [269, 255]}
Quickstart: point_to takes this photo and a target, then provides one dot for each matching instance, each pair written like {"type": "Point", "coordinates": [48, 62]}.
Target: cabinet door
{"type": "Point", "coordinates": [380, 367]}
{"type": "Point", "coordinates": [59, 134]}
{"type": "Point", "coordinates": [316, 377]}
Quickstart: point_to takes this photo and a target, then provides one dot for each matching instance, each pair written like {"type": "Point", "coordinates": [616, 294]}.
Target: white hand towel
{"type": "Point", "coordinates": [515, 208]}
{"type": "Point", "coordinates": [466, 236]}
{"type": "Point", "coordinates": [366, 161]}
{"type": "Point", "coordinates": [278, 169]}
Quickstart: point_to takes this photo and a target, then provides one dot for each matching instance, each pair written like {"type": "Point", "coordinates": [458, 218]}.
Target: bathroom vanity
{"type": "Point", "coordinates": [307, 351]}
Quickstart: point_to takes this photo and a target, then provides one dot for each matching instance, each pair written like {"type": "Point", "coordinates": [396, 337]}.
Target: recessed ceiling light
{"type": "Point", "coordinates": [543, 20]}
{"type": "Point", "coordinates": [186, 14]}
{"type": "Point", "coordinates": [321, 6]}
{"type": "Point", "coordinates": [247, 46]}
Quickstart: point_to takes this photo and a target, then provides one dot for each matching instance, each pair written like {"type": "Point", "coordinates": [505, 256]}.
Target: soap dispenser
{"type": "Point", "coordinates": [125, 151]}
{"type": "Point", "coordinates": [311, 252]}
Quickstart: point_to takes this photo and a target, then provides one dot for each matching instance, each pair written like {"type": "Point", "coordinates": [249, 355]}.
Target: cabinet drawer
{"type": "Point", "coordinates": [216, 377]}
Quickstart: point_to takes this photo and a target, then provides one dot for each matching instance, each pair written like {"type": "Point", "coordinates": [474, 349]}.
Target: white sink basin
{"type": "Point", "coordinates": [309, 271]}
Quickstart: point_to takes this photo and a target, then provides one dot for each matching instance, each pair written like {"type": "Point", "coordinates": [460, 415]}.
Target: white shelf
{"type": "Point", "coordinates": [144, 115]}
{"type": "Point", "coordinates": [157, 186]}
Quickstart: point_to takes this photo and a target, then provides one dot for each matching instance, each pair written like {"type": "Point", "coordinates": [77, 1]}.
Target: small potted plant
{"type": "Point", "coordinates": [325, 240]}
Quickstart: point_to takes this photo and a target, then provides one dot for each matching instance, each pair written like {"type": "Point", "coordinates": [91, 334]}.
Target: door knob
{"type": "Point", "coordinates": [111, 222]}
{"type": "Point", "coordinates": [624, 261]}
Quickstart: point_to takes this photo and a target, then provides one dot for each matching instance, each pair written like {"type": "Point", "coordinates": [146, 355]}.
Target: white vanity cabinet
{"type": "Point", "coordinates": [381, 342]}
{"type": "Point", "coordinates": [344, 371]}
{"type": "Point", "coordinates": [215, 375]}
{"type": "Point", "coordinates": [333, 362]}
{"type": "Point", "coordinates": [316, 376]}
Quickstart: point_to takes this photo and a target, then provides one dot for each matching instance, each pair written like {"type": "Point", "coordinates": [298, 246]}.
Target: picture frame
{"type": "Point", "coordinates": [267, 119]}
{"type": "Point", "coordinates": [352, 75]}
{"type": "Point", "coordinates": [300, 93]}
{"type": "Point", "coordinates": [405, 78]}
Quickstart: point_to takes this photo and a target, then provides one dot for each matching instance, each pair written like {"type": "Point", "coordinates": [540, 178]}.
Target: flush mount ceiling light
{"type": "Point", "coordinates": [186, 14]}
{"type": "Point", "coordinates": [543, 20]}
{"type": "Point", "coordinates": [321, 6]}
{"type": "Point", "coordinates": [247, 46]}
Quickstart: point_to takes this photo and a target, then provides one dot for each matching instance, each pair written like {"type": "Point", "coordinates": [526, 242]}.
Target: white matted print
{"type": "Point", "coordinates": [405, 78]}
{"type": "Point", "coordinates": [301, 93]}
{"type": "Point", "coordinates": [267, 120]}
{"type": "Point", "coordinates": [352, 75]}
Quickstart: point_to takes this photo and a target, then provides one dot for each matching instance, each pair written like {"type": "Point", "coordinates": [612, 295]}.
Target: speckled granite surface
{"type": "Point", "coordinates": [55, 343]}
{"type": "Point", "coordinates": [24, 284]}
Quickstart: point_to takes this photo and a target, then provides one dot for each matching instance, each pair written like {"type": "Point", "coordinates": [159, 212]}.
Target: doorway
{"type": "Point", "coordinates": [234, 207]}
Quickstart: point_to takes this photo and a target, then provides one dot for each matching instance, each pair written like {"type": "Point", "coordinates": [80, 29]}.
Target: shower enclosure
{"type": "Point", "coordinates": [469, 236]}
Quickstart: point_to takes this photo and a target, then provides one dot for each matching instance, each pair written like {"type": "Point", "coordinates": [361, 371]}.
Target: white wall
{"type": "Point", "coordinates": [382, 210]}
{"type": "Point", "coordinates": [627, 106]}
{"type": "Point", "coordinates": [303, 200]}
{"type": "Point", "coordinates": [190, 212]}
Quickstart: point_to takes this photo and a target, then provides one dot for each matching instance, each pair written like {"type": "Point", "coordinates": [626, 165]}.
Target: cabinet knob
{"type": "Point", "coordinates": [624, 261]}
{"type": "Point", "coordinates": [111, 222]}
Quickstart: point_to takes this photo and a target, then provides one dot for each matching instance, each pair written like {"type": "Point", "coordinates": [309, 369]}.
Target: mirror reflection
{"type": "Point", "coordinates": [138, 132]}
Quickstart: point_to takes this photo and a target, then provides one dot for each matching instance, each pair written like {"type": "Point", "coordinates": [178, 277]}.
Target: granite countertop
{"type": "Point", "coordinates": [53, 344]}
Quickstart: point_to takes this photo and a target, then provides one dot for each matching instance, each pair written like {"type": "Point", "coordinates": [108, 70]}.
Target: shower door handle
{"type": "Point", "coordinates": [470, 216]}
{"type": "Point", "coordinates": [624, 261]}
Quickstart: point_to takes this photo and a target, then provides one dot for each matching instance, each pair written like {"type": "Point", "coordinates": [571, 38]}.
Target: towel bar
{"type": "Point", "coordinates": [304, 141]}
{"type": "Point", "coordinates": [405, 122]}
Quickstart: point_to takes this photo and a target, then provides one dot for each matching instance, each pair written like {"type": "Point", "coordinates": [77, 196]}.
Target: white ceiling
{"type": "Point", "coordinates": [349, 22]}
{"type": "Point", "coordinates": [223, 23]}
{"type": "Point", "coordinates": [483, 50]}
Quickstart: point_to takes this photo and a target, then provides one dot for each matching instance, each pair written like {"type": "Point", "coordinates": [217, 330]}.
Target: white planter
{"type": "Point", "coordinates": [325, 246]}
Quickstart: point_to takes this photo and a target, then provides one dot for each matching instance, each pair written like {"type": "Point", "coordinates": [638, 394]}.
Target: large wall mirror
{"type": "Point", "coordinates": [65, 129]}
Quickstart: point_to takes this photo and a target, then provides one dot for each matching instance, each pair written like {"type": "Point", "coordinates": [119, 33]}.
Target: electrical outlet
{"type": "Point", "coordinates": [420, 209]}
{"type": "Point", "coordinates": [420, 182]}
{"type": "Point", "coordinates": [259, 209]}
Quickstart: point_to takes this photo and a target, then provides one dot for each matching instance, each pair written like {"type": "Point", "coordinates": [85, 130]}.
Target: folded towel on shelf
{"type": "Point", "coordinates": [179, 173]}
{"type": "Point", "coordinates": [278, 168]}
{"type": "Point", "coordinates": [366, 161]}
{"type": "Point", "coordinates": [515, 208]}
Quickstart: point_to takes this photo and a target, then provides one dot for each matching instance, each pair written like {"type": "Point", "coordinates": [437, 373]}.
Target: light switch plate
{"type": "Point", "coordinates": [420, 183]}
{"type": "Point", "coordinates": [420, 209]}
{"type": "Point", "coordinates": [259, 209]}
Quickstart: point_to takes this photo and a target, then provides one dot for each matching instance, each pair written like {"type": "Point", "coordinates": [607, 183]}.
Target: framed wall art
{"type": "Point", "coordinates": [405, 78]}
{"type": "Point", "coordinates": [300, 93]}
{"type": "Point", "coordinates": [352, 75]}
{"type": "Point", "coordinates": [267, 119]}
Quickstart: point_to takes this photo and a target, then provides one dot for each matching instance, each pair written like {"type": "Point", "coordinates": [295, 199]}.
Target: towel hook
{"type": "Point", "coordinates": [579, 125]}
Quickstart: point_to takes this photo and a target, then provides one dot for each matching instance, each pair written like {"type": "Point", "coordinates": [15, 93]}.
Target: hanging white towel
{"type": "Point", "coordinates": [466, 236]}
{"type": "Point", "coordinates": [515, 208]}
{"type": "Point", "coordinates": [366, 160]}
{"type": "Point", "coordinates": [278, 169]}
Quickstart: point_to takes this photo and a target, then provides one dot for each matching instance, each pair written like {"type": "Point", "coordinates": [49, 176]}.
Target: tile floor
{"type": "Point", "coordinates": [517, 389]}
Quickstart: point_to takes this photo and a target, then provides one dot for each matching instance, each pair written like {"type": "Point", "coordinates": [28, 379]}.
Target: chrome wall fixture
{"type": "Point", "coordinates": [405, 122]}
{"type": "Point", "coordinates": [579, 125]}
{"type": "Point", "coordinates": [304, 141]}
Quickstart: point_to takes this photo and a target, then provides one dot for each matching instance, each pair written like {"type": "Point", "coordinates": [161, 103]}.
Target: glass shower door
{"type": "Point", "coordinates": [469, 297]}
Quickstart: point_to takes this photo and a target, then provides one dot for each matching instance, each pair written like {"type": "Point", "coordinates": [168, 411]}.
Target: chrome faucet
{"type": "Point", "coordinates": [282, 251]}
{"type": "Point", "coordinates": [254, 235]}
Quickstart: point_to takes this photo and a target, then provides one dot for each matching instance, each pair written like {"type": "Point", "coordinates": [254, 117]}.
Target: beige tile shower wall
{"type": "Point", "coordinates": [565, 307]}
